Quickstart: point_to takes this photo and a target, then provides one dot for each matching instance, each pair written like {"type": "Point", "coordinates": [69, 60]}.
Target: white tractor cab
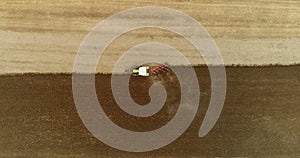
{"type": "Point", "coordinates": [141, 71]}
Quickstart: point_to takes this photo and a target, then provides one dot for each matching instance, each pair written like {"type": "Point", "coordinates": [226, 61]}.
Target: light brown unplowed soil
{"type": "Point", "coordinates": [44, 36]}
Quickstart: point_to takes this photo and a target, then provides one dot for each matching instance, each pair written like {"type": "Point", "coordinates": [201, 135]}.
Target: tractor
{"type": "Point", "coordinates": [146, 70]}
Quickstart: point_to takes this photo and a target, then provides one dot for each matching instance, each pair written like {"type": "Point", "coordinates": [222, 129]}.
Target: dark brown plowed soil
{"type": "Point", "coordinates": [261, 116]}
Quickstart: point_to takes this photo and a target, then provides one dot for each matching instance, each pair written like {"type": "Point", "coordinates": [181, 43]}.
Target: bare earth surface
{"type": "Point", "coordinates": [261, 116]}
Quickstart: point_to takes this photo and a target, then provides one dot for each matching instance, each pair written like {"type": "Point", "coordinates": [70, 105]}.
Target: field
{"type": "Point", "coordinates": [258, 40]}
